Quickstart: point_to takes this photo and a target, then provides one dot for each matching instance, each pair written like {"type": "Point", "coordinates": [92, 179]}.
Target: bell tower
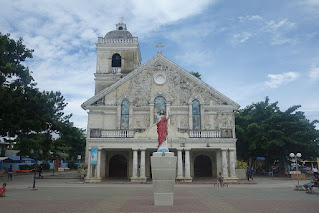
{"type": "Point", "coordinates": [118, 53]}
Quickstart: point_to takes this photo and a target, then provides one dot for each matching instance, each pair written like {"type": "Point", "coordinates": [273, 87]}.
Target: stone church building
{"type": "Point", "coordinates": [121, 131]}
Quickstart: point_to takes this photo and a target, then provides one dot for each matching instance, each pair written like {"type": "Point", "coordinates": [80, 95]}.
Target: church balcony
{"type": "Point", "coordinates": [222, 133]}
{"type": "Point", "coordinates": [119, 41]}
{"type": "Point", "coordinates": [116, 70]}
{"type": "Point", "coordinates": [106, 133]}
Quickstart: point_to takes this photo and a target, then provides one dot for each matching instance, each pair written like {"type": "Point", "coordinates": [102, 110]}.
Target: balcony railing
{"type": "Point", "coordinates": [125, 133]}
{"type": "Point", "coordinates": [223, 133]}
{"type": "Point", "coordinates": [116, 70]}
{"type": "Point", "coordinates": [103, 133]}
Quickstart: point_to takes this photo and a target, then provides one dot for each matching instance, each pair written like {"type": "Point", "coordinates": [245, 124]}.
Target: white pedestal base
{"type": "Point", "coordinates": [163, 175]}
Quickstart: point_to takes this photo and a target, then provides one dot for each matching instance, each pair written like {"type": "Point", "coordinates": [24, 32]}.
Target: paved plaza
{"type": "Point", "coordinates": [65, 194]}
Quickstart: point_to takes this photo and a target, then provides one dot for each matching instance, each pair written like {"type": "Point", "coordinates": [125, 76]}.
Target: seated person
{"type": "Point", "coordinates": [220, 179]}
{"type": "Point", "coordinates": [3, 190]}
{"type": "Point", "coordinates": [308, 186]}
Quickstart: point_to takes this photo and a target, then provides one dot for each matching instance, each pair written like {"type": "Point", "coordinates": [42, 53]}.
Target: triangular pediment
{"type": "Point", "coordinates": [155, 66]}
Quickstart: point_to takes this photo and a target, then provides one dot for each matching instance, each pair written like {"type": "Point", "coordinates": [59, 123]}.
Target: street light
{"type": "Point", "coordinates": [53, 157]}
{"type": "Point", "coordinates": [35, 154]}
{"type": "Point", "coordinates": [294, 158]}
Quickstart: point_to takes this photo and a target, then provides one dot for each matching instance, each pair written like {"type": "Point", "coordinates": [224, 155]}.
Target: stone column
{"type": "Point", "coordinates": [224, 163]}
{"type": "Point", "coordinates": [187, 166]}
{"type": "Point", "coordinates": [218, 161]}
{"type": "Point", "coordinates": [89, 172]}
{"type": "Point", "coordinates": [234, 127]}
{"type": "Point", "coordinates": [142, 168]}
{"type": "Point", "coordinates": [98, 166]}
{"type": "Point", "coordinates": [232, 163]}
{"type": "Point", "coordinates": [168, 111]}
{"type": "Point", "coordinates": [134, 175]}
{"type": "Point", "coordinates": [202, 116]}
{"type": "Point", "coordinates": [131, 116]}
{"type": "Point", "coordinates": [151, 113]}
{"type": "Point", "coordinates": [118, 116]}
{"type": "Point", "coordinates": [179, 164]}
{"type": "Point", "coordinates": [190, 116]}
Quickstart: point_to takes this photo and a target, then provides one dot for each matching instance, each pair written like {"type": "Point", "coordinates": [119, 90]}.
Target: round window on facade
{"type": "Point", "coordinates": [160, 78]}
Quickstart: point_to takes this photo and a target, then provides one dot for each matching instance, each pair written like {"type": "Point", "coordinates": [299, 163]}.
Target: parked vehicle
{"type": "Point", "coordinates": [305, 169]}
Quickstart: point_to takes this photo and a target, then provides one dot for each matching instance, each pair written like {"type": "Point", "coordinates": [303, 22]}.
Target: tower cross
{"type": "Point", "coordinates": [121, 19]}
{"type": "Point", "coordinates": [159, 46]}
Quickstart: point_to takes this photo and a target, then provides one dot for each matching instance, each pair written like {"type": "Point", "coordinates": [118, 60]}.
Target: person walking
{"type": "Point", "coordinates": [40, 171]}
{"type": "Point", "coordinates": [83, 174]}
{"type": "Point", "coordinates": [220, 179]}
{"type": "Point", "coordinates": [10, 172]}
{"type": "Point", "coordinates": [315, 171]}
{"type": "Point", "coordinates": [249, 173]}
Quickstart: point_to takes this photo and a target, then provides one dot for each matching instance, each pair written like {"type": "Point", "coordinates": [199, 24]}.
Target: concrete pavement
{"type": "Point", "coordinates": [269, 194]}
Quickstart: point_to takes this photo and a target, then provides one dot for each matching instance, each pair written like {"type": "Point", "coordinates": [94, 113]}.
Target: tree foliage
{"type": "Point", "coordinates": [71, 141]}
{"type": "Point", "coordinates": [29, 115]}
{"type": "Point", "coordinates": [263, 130]}
{"type": "Point", "coordinates": [196, 74]}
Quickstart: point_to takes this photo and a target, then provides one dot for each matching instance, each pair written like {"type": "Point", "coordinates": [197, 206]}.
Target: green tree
{"type": "Point", "coordinates": [263, 130]}
{"type": "Point", "coordinates": [71, 141]}
{"type": "Point", "coordinates": [196, 74]}
{"type": "Point", "coordinates": [25, 112]}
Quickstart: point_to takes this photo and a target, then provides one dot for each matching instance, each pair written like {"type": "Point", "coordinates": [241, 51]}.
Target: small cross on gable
{"type": "Point", "coordinates": [159, 46]}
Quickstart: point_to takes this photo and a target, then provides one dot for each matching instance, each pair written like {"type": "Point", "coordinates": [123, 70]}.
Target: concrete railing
{"type": "Point", "coordinates": [103, 133]}
{"type": "Point", "coordinates": [223, 133]}
{"type": "Point", "coordinates": [119, 41]}
{"type": "Point", "coordinates": [116, 70]}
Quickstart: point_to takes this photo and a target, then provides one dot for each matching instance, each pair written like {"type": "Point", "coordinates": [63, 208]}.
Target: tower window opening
{"type": "Point", "coordinates": [116, 60]}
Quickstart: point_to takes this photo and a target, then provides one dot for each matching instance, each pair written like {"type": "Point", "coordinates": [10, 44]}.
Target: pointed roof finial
{"type": "Point", "coordinates": [121, 19]}
{"type": "Point", "coordinates": [159, 46]}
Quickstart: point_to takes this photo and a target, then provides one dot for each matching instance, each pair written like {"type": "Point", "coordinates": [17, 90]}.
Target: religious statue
{"type": "Point", "coordinates": [162, 132]}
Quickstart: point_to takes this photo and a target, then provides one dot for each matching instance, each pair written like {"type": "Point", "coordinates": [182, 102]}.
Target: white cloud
{"type": "Point", "coordinates": [201, 58]}
{"type": "Point", "coordinates": [242, 37]}
{"type": "Point", "coordinates": [63, 34]}
{"type": "Point", "coordinates": [276, 80]}
{"type": "Point", "coordinates": [250, 18]}
{"type": "Point", "coordinates": [314, 74]}
{"type": "Point", "coordinates": [277, 31]}
{"type": "Point", "coordinates": [312, 6]}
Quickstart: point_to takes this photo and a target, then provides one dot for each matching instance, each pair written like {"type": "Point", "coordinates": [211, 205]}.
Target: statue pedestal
{"type": "Point", "coordinates": [163, 175]}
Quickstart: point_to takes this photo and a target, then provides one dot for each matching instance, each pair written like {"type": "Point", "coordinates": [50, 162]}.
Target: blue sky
{"type": "Point", "coordinates": [246, 49]}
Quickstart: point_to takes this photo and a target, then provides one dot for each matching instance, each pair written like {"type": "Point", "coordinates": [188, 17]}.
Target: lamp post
{"type": "Point", "coordinates": [294, 158]}
{"type": "Point", "coordinates": [35, 154]}
{"type": "Point", "coordinates": [53, 157]}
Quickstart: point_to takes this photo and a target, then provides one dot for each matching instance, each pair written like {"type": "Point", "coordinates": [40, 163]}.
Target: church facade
{"type": "Point", "coordinates": [121, 131]}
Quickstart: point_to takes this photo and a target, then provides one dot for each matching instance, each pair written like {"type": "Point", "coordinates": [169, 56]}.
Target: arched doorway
{"type": "Point", "coordinates": [202, 166]}
{"type": "Point", "coordinates": [118, 166]}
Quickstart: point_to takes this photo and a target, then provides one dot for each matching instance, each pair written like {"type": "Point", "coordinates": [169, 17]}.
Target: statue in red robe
{"type": "Point", "coordinates": [162, 132]}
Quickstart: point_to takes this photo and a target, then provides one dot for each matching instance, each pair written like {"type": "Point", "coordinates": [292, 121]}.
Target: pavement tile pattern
{"type": "Point", "coordinates": [65, 195]}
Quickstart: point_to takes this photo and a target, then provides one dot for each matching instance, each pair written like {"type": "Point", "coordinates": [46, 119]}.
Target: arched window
{"type": "Point", "coordinates": [159, 104]}
{"type": "Point", "coordinates": [125, 112]}
{"type": "Point", "coordinates": [196, 115]}
{"type": "Point", "coordinates": [116, 60]}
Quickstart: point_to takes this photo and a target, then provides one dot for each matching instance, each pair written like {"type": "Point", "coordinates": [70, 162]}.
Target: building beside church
{"type": "Point", "coordinates": [121, 131]}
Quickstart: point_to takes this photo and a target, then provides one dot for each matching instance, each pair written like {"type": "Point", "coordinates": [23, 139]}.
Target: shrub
{"type": "Point", "coordinates": [72, 165]}
{"type": "Point", "coordinates": [45, 166]}
{"type": "Point", "coordinates": [26, 167]}
{"type": "Point", "coordinates": [241, 165]}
